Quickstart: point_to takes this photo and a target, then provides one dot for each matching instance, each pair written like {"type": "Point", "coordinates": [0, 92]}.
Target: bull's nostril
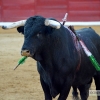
{"type": "Point", "coordinates": [27, 51]}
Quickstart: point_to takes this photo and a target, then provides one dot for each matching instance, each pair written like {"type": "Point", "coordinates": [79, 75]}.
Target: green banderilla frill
{"type": "Point", "coordinates": [21, 61]}
{"type": "Point", "coordinates": [94, 62]}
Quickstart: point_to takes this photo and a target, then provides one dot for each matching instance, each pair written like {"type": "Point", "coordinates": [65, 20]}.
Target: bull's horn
{"type": "Point", "coordinates": [52, 23]}
{"type": "Point", "coordinates": [15, 24]}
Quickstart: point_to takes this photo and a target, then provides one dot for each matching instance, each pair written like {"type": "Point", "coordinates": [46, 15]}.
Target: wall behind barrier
{"type": "Point", "coordinates": [78, 10]}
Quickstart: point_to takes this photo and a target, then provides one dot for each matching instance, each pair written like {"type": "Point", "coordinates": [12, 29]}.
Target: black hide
{"type": "Point", "coordinates": [61, 61]}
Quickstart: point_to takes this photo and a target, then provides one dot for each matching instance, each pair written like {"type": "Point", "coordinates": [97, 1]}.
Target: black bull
{"type": "Point", "coordinates": [61, 61]}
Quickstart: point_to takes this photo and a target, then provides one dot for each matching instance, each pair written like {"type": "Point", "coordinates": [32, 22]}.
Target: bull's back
{"type": "Point", "coordinates": [92, 41]}
{"type": "Point", "coordinates": [88, 33]}
{"type": "Point", "coordinates": [90, 38]}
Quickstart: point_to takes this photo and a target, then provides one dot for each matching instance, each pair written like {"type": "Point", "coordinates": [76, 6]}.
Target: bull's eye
{"type": "Point", "coordinates": [38, 35]}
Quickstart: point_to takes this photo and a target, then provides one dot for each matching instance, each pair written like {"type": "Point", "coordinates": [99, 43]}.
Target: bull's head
{"type": "Point", "coordinates": [37, 31]}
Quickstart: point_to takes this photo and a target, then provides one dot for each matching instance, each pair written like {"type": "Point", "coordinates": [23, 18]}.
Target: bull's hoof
{"type": "Point", "coordinates": [76, 98]}
{"type": "Point", "coordinates": [4, 27]}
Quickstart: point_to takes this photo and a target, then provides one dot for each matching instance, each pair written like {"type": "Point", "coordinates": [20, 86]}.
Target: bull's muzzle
{"type": "Point", "coordinates": [25, 53]}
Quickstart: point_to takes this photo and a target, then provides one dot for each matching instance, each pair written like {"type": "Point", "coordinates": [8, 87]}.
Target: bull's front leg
{"type": "Point", "coordinates": [46, 90]}
{"type": "Point", "coordinates": [66, 88]}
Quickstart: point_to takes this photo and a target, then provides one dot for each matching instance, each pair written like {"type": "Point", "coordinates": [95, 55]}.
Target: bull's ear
{"type": "Point", "coordinates": [20, 29]}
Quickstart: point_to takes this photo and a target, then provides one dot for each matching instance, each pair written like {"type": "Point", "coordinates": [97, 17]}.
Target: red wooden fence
{"type": "Point", "coordinates": [78, 10]}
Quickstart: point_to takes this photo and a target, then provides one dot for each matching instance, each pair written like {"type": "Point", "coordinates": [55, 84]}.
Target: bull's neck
{"type": "Point", "coordinates": [63, 46]}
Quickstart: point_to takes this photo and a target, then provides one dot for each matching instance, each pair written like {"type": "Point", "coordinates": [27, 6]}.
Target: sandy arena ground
{"type": "Point", "coordinates": [22, 83]}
